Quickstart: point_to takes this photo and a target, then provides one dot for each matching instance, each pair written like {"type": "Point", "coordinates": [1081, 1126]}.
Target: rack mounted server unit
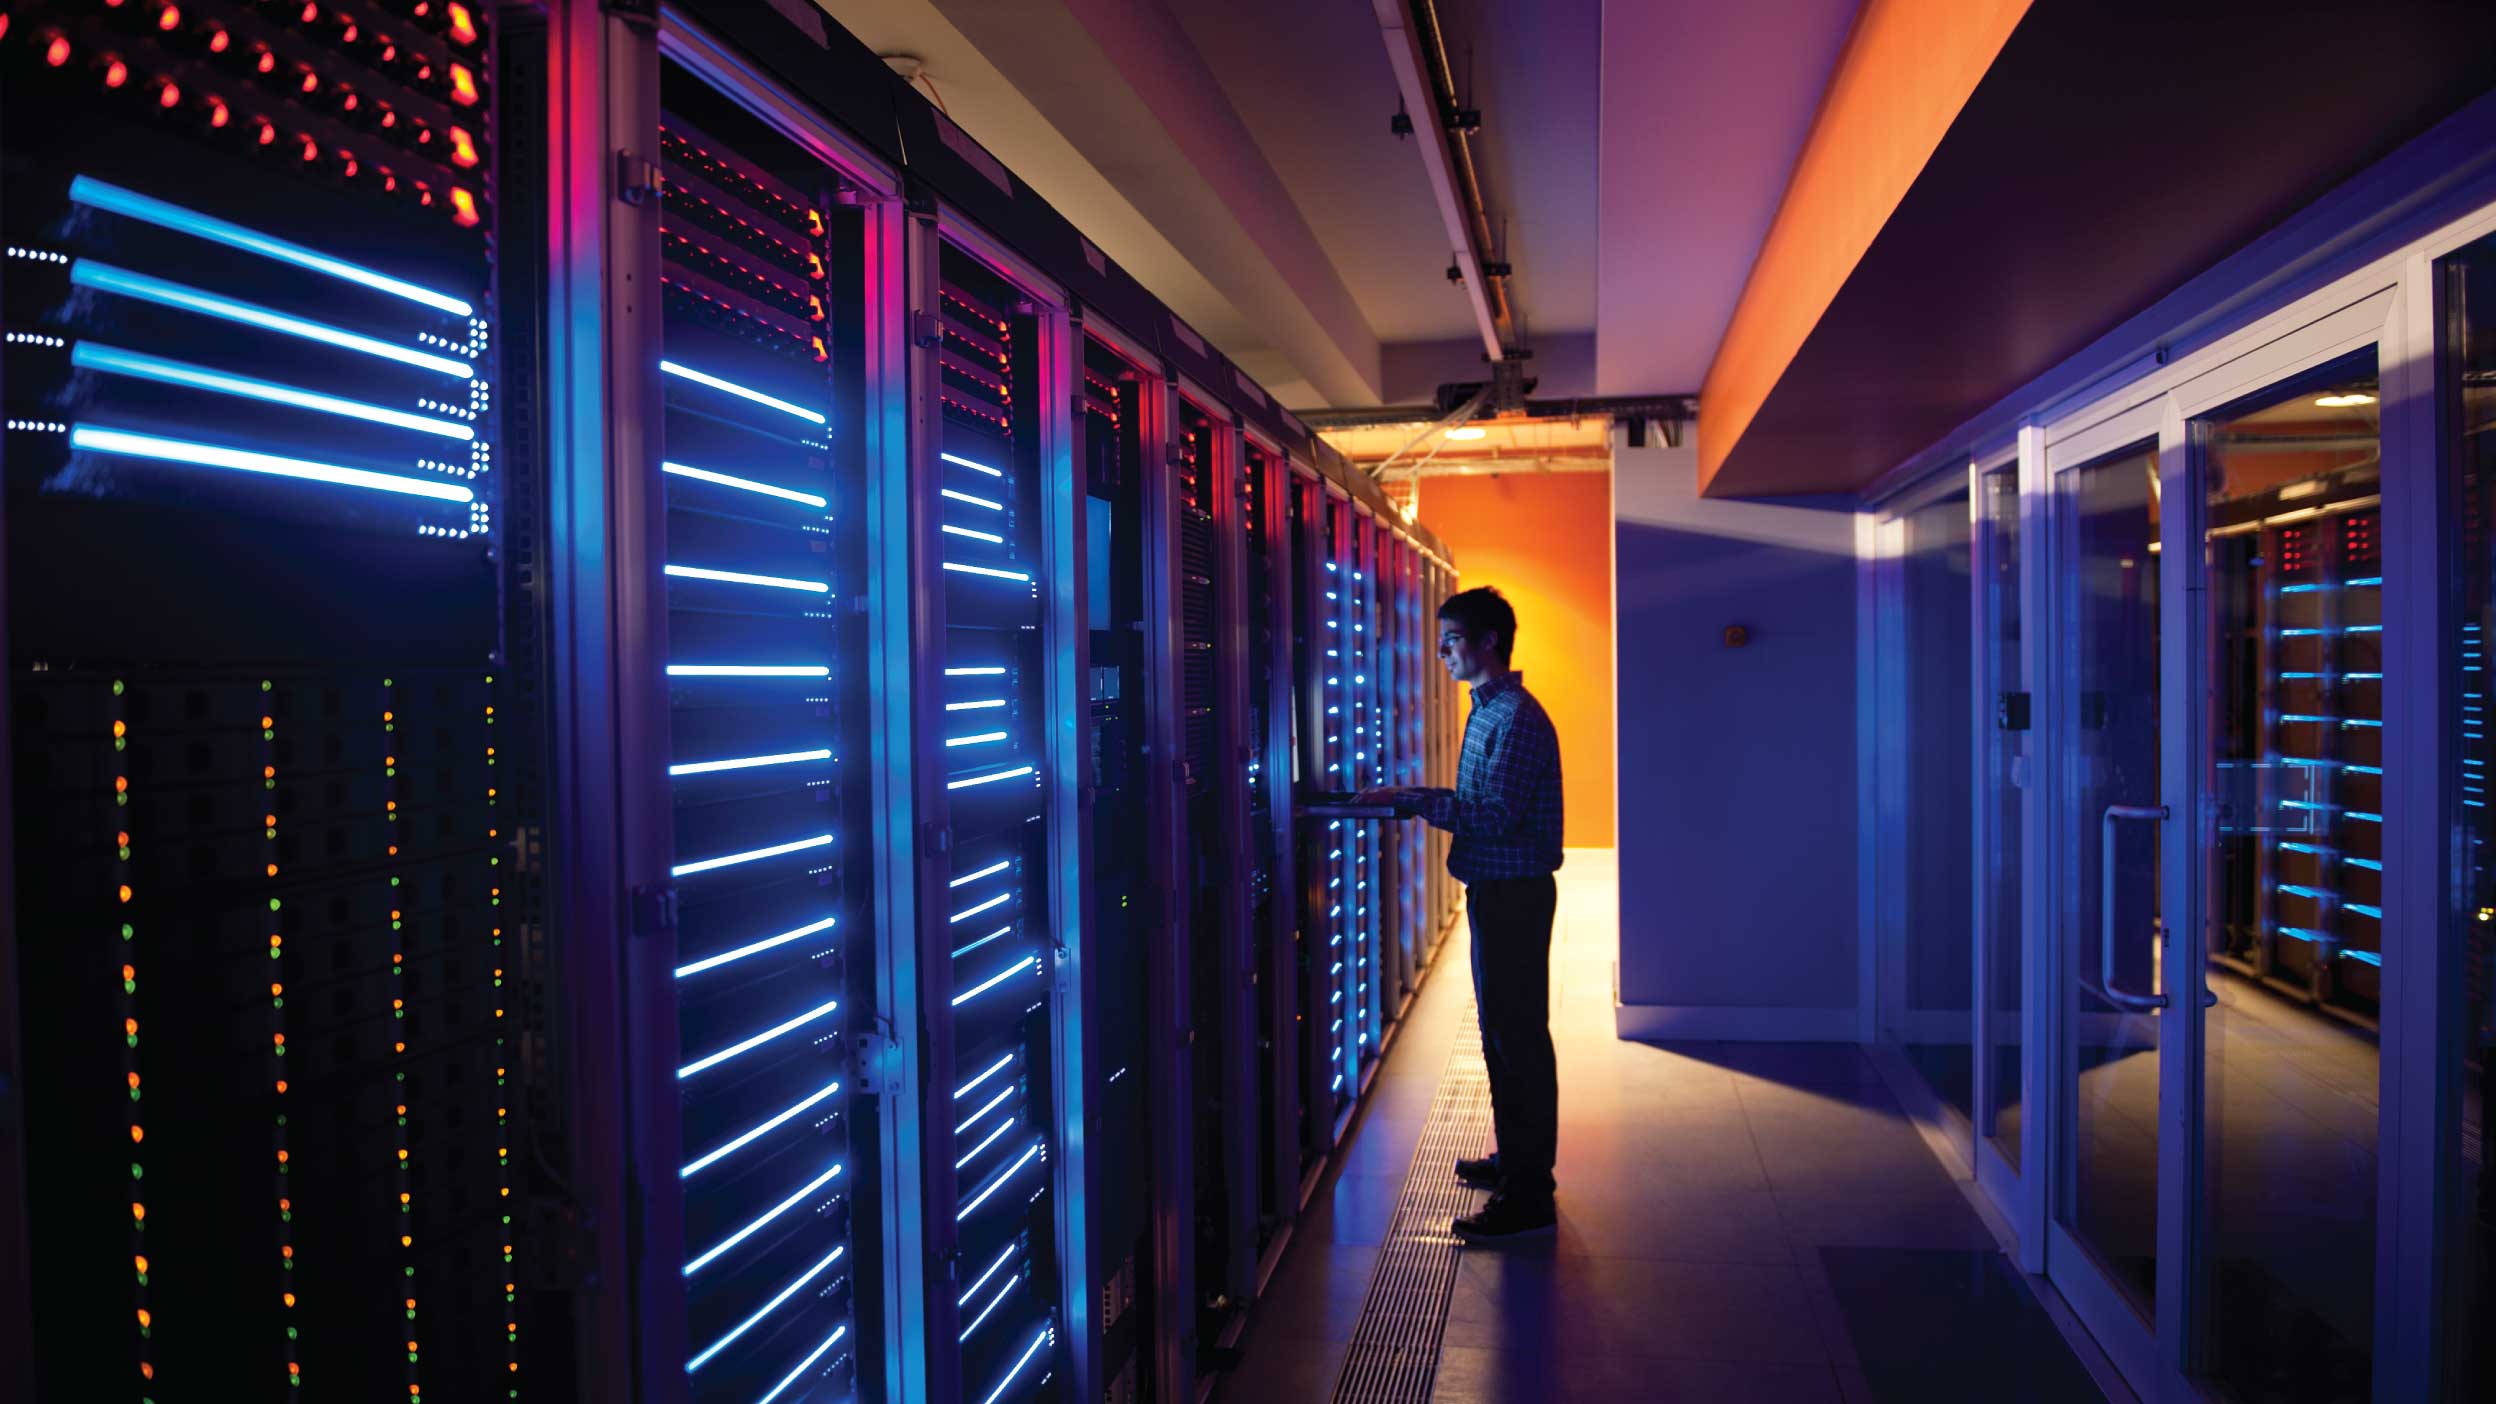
{"type": "Point", "coordinates": [659, 734]}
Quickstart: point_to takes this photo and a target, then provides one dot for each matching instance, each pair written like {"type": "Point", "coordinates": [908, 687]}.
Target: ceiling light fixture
{"type": "Point", "coordinates": [1467, 431]}
{"type": "Point", "coordinates": [2347, 401]}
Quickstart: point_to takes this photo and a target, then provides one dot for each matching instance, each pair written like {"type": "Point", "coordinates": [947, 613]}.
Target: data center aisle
{"type": "Point", "coordinates": [1754, 1222]}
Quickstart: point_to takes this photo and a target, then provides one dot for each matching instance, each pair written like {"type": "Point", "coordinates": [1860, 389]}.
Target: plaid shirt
{"type": "Point", "coordinates": [1505, 809]}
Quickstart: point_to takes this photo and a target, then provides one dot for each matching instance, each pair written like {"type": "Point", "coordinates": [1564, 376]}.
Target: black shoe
{"type": "Point", "coordinates": [1506, 1220]}
{"type": "Point", "coordinates": [1482, 1173]}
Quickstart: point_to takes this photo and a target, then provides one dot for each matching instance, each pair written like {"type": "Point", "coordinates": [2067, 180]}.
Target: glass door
{"type": "Point", "coordinates": [2103, 1240]}
{"type": "Point", "coordinates": [2291, 907]}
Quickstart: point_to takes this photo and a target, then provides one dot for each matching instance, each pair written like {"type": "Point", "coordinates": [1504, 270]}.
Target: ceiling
{"type": "Point", "coordinates": [1237, 159]}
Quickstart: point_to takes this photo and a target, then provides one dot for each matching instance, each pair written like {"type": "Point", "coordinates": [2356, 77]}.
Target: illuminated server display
{"type": "Point", "coordinates": [268, 755]}
{"type": "Point", "coordinates": [763, 475]}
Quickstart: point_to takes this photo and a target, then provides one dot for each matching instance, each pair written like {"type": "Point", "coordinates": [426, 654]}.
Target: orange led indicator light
{"type": "Point", "coordinates": [464, 210]}
{"type": "Point", "coordinates": [463, 28]}
{"type": "Point", "coordinates": [57, 52]}
{"type": "Point", "coordinates": [463, 85]}
{"type": "Point", "coordinates": [116, 73]}
{"type": "Point", "coordinates": [463, 153]}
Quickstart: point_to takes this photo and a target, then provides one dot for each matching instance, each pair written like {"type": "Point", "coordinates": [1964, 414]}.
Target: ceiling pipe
{"type": "Point", "coordinates": [1458, 204]}
{"type": "Point", "coordinates": [1670, 408]}
{"type": "Point", "coordinates": [1442, 76]}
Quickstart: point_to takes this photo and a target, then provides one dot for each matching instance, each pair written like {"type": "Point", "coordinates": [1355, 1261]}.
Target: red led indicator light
{"type": "Point", "coordinates": [267, 63]}
{"type": "Point", "coordinates": [167, 95]}
{"type": "Point", "coordinates": [268, 134]}
{"type": "Point", "coordinates": [463, 147]}
{"type": "Point", "coordinates": [57, 52]}
{"type": "Point", "coordinates": [168, 19]}
{"type": "Point", "coordinates": [219, 42]}
{"type": "Point", "coordinates": [218, 116]}
{"type": "Point", "coordinates": [116, 73]}
{"type": "Point", "coordinates": [463, 85]}
{"type": "Point", "coordinates": [463, 208]}
{"type": "Point", "coordinates": [463, 28]}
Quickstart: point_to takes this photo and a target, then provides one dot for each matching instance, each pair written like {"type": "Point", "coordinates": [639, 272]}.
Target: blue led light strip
{"type": "Point", "coordinates": [994, 1068]}
{"type": "Point", "coordinates": [805, 1365]}
{"type": "Point", "coordinates": [755, 1227]}
{"type": "Point", "coordinates": [795, 1284]}
{"type": "Point", "coordinates": [981, 705]}
{"type": "Point", "coordinates": [997, 901]}
{"type": "Point", "coordinates": [757, 1041]}
{"type": "Point", "coordinates": [753, 948]}
{"type": "Point", "coordinates": [983, 1111]}
{"type": "Point", "coordinates": [975, 467]}
{"type": "Point", "coordinates": [734, 577]}
{"type": "Point", "coordinates": [991, 1272]}
{"type": "Point", "coordinates": [995, 980]}
{"type": "Point", "coordinates": [751, 855]}
{"type": "Point", "coordinates": [741, 392]}
{"type": "Point", "coordinates": [984, 570]}
{"type": "Point", "coordinates": [974, 501]}
{"type": "Point", "coordinates": [993, 1303]}
{"type": "Point", "coordinates": [974, 672]}
{"type": "Point", "coordinates": [747, 670]}
{"type": "Point", "coordinates": [980, 739]}
{"type": "Point", "coordinates": [990, 871]}
{"type": "Point", "coordinates": [95, 194]}
{"type": "Point", "coordinates": [987, 536]}
{"type": "Point", "coordinates": [748, 762]}
{"type": "Point", "coordinates": [103, 277]}
{"type": "Point", "coordinates": [113, 360]}
{"type": "Point", "coordinates": [743, 484]}
{"type": "Point", "coordinates": [96, 439]}
{"type": "Point", "coordinates": [999, 1182]}
{"type": "Point", "coordinates": [2372, 958]}
{"type": "Point", "coordinates": [965, 784]}
{"type": "Point", "coordinates": [764, 1129]}
{"type": "Point", "coordinates": [1002, 1127]}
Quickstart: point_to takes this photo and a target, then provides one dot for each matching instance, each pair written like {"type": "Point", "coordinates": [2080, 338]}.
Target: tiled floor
{"type": "Point", "coordinates": [1739, 1222]}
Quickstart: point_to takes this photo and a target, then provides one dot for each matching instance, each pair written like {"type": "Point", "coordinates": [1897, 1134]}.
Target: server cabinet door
{"type": "Point", "coordinates": [772, 1220]}
{"type": "Point", "coordinates": [1000, 881]}
{"type": "Point", "coordinates": [272, 757]}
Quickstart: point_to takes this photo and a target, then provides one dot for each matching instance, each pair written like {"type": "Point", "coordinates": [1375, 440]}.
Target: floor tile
{"type": "Point", "coordinates": [1931, 1325]}
{"type": "Point", "coordinates": [1470, 1375]}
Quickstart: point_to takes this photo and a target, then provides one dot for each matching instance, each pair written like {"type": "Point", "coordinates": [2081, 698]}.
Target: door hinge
{"type": "Point", "coordinates": [654, 910]}
{"type": "Point", "coordinates": [925, 331]}
{"type": "Point", "coordinates": [637, 179]}
{"type": "Point", "coordinates": [875, 1059]}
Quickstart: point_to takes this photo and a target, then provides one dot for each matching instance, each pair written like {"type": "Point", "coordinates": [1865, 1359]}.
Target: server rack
{"type": "Point", "coordinates": [272, 759]}
{"type": "Point", "coordinates": [728, 562]}
{"type": "Point", "coordinates": [998, 561]}
{"type": "Point", "coordinates": [2301, 625]}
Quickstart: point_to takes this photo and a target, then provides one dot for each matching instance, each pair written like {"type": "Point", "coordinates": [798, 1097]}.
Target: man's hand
{"type": "Point", "coordinates": [1400, 799]}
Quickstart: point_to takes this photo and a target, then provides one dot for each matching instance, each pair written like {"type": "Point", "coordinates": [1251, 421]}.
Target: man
{"type": "Point", "coordinates": [1505, 814]}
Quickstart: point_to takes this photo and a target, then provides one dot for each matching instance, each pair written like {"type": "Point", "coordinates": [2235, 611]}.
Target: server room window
{"type": "Point", "coordinates": [764, 473]}
{"type": "Point", "coordinates": [2294, 923]}
{"type": "Point", "coordinates": [2469, 1226]}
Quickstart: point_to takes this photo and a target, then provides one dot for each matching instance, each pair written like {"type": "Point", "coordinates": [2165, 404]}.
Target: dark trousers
{"type": "Point", "coordinates": [1511, 920]}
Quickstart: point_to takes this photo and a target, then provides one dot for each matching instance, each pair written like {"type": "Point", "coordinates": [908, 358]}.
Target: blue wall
{"type": "Point", "coordinates": [1737, 816]}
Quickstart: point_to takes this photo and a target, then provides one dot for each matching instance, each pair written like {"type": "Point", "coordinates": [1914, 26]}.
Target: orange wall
{"type": "Point", "coordinates": [1545, 539]}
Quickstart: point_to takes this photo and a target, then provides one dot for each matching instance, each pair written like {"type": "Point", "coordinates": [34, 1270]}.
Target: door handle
{"type": "Point", "coordinates": [2120, 998]}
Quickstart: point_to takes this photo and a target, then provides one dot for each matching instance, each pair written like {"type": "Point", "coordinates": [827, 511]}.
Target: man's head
{"type": "Point", "coordinates": [1477, 634]}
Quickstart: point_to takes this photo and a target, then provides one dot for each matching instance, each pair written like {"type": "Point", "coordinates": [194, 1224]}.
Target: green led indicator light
{"type": "Point", "coordinates": [266, 685]}
{"type": "Point", "coordinates": [117, 687]}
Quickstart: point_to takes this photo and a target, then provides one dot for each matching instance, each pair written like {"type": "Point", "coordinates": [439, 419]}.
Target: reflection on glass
{"type": "Point", "coordinates": [2006, 760]}
{"type": "Point", "coordinates": [2470, 1235]}
{"type": "Point", "coordinates": [2294, 922]}
{"type": "Point", "coordinates": [1930, 1010]}
{"type": "Point", "coordinates": [2108, 601]}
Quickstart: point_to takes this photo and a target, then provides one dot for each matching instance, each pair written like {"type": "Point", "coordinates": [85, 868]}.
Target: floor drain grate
{"type": "Point", "coordinates": [1394, 1357]}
